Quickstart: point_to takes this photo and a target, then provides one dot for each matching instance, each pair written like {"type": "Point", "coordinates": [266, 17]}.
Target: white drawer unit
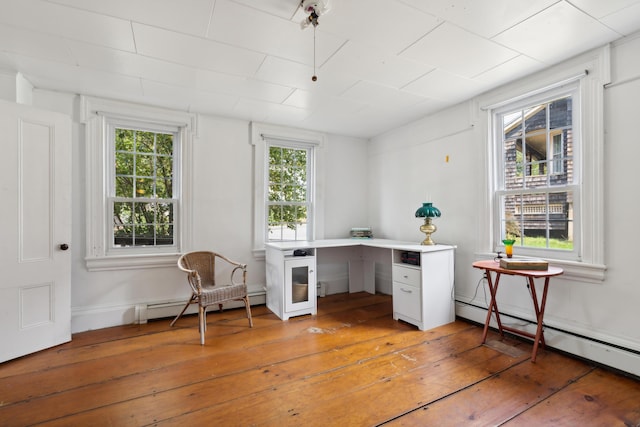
{"type": "Point", "coordinates": [423, 292]}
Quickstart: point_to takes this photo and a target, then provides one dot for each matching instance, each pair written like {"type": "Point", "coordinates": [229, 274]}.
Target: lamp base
{"type": "Point", "coordinates": [428, 228]}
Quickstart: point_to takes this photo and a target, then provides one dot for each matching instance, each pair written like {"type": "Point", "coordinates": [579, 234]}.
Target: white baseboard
{"type": "Point", "coordinates": [91, 318]}
{"type": "Point", "coordinates": [594, 350]}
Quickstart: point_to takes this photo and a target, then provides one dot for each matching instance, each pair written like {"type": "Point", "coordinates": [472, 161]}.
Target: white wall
{"type": "Point", "coordinates": [410, 163]}
{"type": "Point", "coordinates": [223, 209]}
{"type": "Point", "coordinates": [381, 184]}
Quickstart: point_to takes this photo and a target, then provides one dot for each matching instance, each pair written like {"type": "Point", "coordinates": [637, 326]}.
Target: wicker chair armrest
{"type": "Point", "coordinates": [243, 268]}
{"type": "Point", "coordinates": [238, 266]}
{"type": "Point", "coordinates": [193, 278]}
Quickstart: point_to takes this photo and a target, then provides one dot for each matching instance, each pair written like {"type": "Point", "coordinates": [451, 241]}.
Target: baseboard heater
{"type": "Point", "coordinates": [596, 350]}
{"type": "Point", "coordinates": [160, 310]}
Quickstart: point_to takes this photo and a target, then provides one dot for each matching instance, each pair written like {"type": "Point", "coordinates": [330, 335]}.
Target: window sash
{"type": "Point", "coordinates": [537, 175]}
{"type": "Point", "coordinates": [289, 229]}
{"type": "Point", "coordinates": [149, 241]}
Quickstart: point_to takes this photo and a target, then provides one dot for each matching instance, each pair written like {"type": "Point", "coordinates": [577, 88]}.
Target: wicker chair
{"type": "Point", "coordinates": [201, 274]}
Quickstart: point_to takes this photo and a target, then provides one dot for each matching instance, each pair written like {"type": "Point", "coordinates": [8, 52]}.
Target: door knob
{"type": "Point", "coordinates": [64, 247]}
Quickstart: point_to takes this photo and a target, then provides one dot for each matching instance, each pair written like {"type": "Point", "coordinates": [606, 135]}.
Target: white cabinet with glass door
{"type": "Point", "coordinates": [291, 283]}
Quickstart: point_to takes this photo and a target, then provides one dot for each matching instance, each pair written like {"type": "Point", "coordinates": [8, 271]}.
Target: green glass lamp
{"type": "Point", "coordinates": [428, 211]}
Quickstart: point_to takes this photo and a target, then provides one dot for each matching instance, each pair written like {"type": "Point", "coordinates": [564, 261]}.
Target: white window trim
{"type": "Point", "coordinates": [94, 113]}
{"type": "Point", "coordinates": [591, 267]}
{"type": "Point", "coordinates": [497, 184]}
{"type": "Point", "coordinates": [259, 133]}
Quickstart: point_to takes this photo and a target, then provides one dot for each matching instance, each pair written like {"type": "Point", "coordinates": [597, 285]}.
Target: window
{"type": "Point", "coordinates": [138, 161]}
{"type": "Point", "coordinates": [287, 183]}
{"type": "Point", "coordinates": [141, 199]}
{"type": "Point", "coordinates": [537, 183]}
{"type": "Point", "coordinates": [289, 192]}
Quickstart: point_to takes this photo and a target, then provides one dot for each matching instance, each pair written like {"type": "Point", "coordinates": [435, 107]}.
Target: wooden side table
{"type": "Point", "coordinates": [491, 266]}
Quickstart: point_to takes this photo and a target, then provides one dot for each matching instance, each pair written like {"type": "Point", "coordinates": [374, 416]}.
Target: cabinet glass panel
{"type": "Point", "coordinates": [300, 284]}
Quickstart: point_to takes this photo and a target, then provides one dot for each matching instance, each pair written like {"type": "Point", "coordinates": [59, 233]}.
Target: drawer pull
{"type": "Point", "coordinates": [405, 276]}
{"type": "Point", "coordinates": [407, 291]}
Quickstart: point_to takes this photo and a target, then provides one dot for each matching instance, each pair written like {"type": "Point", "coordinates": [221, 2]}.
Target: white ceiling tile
{"type": "Point", "coordinates": [130, 64]}
{"type": "Point", "coordinates": [54, 19]}
{"type": "Point", "coordinates": [189, 99]}
{"type": "Point", "coordinates": [194, 51]}
{"type": "Point", "coordinates": [241, 86]}
{"type": "Point", "coordinates": [380, 63]}
{"type": "Point", "coordinates": [37, 45]}
{"type": "Point", "coordinates": [471, 56]}
{"type": "Point", "coordinates": [367, 63]}
{"type": "Point", "coordinates": [487, 17]}
{"type": "Point", "coordinates": [269, 112]}
{"type": "Point", "coordinates": [515, 68]}
{"type": "Point", "coordinates": [293, 74]}
{"type": "Point", "coordinates": [444, 86]}
{"type": "Point", "coordinates": [241, 26]}
{"type": "Point", "coordinates": [374, 23]}
{"type": "Point", "coordinates": [383, 96]}
{"type": "Point", "coordinates": [305, 99]}
{"type": "Point", "coordinates": [556, 33]}
{"type": "Point", "coordinates": [599, 8]}
{"type": "Point", "coordinates": [624, 21]}
{"type": "Point", "coordinates": [283, 8]}
{"type": "Point", "coordinates": [185, 16]}
{"type": "Point", "coordinates": [78, 80]}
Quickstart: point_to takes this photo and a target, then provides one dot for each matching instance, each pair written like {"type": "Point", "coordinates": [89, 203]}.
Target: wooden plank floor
{"type": "Point", "coordinates": [351, 365]}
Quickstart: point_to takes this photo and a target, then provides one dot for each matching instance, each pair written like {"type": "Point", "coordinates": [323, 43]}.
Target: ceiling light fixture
{"type": "Point", "coordinates": [314, 8]}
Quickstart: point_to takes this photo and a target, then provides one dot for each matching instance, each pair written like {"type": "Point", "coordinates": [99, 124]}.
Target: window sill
{"type": "Point", "coordinates": [129, 262]}
{"type": "Point", "coordinates": [578, 271]}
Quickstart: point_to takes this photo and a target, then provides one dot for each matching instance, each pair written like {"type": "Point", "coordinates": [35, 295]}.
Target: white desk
{"type": "Point", "coordinates": [422, 294]}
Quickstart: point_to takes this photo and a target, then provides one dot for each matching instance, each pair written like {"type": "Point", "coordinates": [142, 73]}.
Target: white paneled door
{"type": "Point", "coordinates": [35, 218]}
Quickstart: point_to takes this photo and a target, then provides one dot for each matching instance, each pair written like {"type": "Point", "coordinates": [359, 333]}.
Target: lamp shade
{"type": "Point", "coordinates": [427, 210]}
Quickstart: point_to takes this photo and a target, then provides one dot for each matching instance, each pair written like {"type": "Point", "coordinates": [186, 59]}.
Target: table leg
{"type": "Point", "coordinates": [493, 306]}
{"type": "Point", "coordinates": [539, 315]}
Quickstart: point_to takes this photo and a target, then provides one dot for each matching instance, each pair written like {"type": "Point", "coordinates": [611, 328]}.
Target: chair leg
{"type": "Point", "coordinates": [183, 310]}
{"type": "Point", "coordinates": [202, 323]}
{"type": "Point", "coordinates": [248, 307]}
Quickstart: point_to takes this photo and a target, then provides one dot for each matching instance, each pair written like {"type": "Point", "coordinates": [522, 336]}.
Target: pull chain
{"type": "Point", "coordinates": [314, 77]}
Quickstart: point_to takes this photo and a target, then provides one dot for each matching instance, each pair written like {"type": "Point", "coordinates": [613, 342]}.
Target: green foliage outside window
{"type": "Point", "coordinates": [143, 206]}
{"type": "Point", "coordinates": [287, 193]}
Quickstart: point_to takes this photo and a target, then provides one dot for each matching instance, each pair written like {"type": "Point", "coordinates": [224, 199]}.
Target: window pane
{"type": "Point", "coordinates": [287, 191]}
{"type": "Point", "coordinates": [144, 187]}
{"type": "Point", "coordinates": [143, 170]}
{"type": "Point", "coordinates": [295, 193]}
{"type": "Point", "coordinates": [144, 165]}
{"type": "Point", "coordinates": [164, 167]}
{"type": "Point", "coordinates": [275, 232]}
{"type": "Point", "coordinates": [164, 188]}
{"type": "Point", "coordinates": [275, 214]}
{"type": "Point", "coordinates": [511, 226]}
{"type": "Point", "coordinates": [124, 140]}
{"type": "Point", "coordinates": [537, 155]}
{"type": "Point", "coordinates": [123, 236]}
{"type": "Point", "coordinates": [560, 113]}
{"type": "Point", "coordinates": [164, 213]}
{"type": "Point", "coordinates": [124, 186]}
{"type": "Point", "coordinates": [164, 235]}
{"type": "Point", "coordinates": [122, 213]}
{"type": "Point", "coordinates": [276, 193]}
{"type": "Point", "coordinates": [535, 118]}
{"type": "Point", "coordinates": [124, 163]}
{"type": "Point", "coordinates": [164, 144]}
{"type": "Point", "coordinates": [145, 142]}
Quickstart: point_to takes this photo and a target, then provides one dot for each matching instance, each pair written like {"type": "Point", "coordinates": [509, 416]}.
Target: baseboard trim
{"type": "Point", "coordinates": [598, 351]}
{"type": "Point", "coordinates": [91, 318]}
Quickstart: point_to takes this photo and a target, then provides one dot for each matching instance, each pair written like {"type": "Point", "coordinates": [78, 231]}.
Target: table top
{"type": "Point", "coordinates": [495, 266]}
{"type": "Point", "coordinates": [373, 242]}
